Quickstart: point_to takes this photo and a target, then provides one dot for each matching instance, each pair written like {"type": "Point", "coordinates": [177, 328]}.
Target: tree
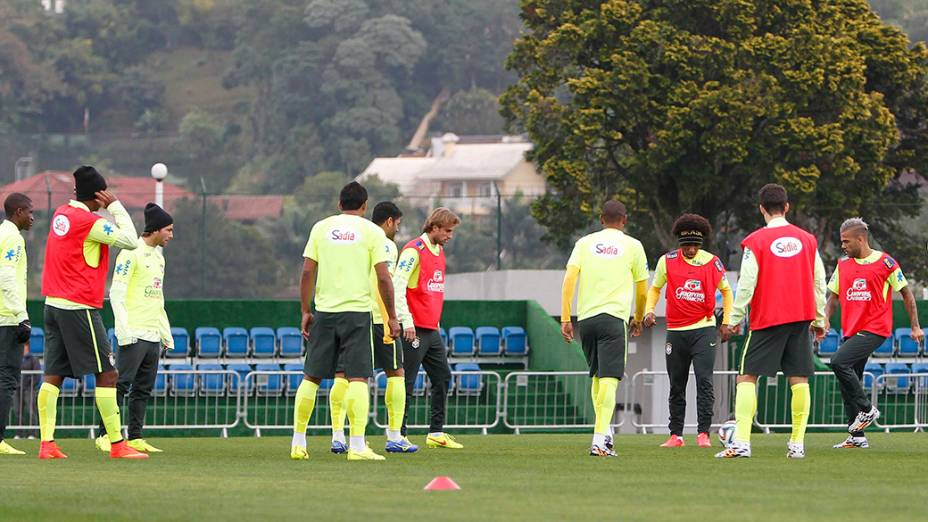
{"type": "Point", "coordinates": [688, 105]}
{"type": "Point", "coordinates": [475, 111]}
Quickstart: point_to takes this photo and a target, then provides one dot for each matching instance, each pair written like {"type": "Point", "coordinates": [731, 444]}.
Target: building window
{"type": "Point", "coordinates": [456, 189]}
{"type": "Point", "coordinates": [485, 190]}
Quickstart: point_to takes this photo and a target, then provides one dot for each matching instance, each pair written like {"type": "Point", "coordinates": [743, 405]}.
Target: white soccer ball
{"type": "Point", "coordinates": [727, 433]}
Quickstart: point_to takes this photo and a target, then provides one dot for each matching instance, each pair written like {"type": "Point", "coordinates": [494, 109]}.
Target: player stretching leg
{"type": "Point", "coordinates": [610, 267]}
{"type": "Point", "coordinates": [863, 283]}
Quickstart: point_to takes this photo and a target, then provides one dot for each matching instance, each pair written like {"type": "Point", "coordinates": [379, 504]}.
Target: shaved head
{"type": "Point", "coordinates": [856, 226]}
{"type": "Point", "coordinates": [614, 212]}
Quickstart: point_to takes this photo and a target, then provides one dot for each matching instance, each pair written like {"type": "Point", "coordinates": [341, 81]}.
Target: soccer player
{"type": "Point", "coordinates": [387, 353]}
{"type": "Point", "coordinates": [611, 267]}
{"type": "Point", "coordinates": [863, 283]}
{"type": "Point", "coordinates": [421, 272]}
{"type": "Point", "coordinates": [15, 328]}
{"type": "Point", "coordinates": [691, 276]}
{"type": "Point", "coordinates": [142, 327]}
{"type": "Point", "coordinates": [73, 282]}
{"type": "Point", "coordinates": [783, 280]}
{"type": "Point", "coordinates": [340, 254]}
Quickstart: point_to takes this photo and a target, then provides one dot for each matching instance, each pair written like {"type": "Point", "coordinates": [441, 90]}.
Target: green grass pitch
{"type": "Point", "coordinates": [503, 477]}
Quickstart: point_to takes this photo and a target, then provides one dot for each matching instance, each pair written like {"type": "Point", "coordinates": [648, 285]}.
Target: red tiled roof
{"type": "Point", "coordinates": [133, 192]}
{"type": "Point", "coordinates": [249, 208]}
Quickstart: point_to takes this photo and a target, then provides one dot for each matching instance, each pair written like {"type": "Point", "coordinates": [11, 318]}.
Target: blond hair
{"type": "Point", "coordinates": [440, 217]}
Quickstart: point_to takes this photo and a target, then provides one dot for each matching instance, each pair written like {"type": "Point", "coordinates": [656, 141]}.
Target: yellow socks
{"type": "Point", "coordinates": [303, 407]}
{"type": "Point", "coordinates": [800, 405]}
{"type": "Point", "coordinates": [605, 404]}
{"type": "Point", "coordinates": [395, 398]}
{"type": "Point", "coordinates": [337, 403]}
{"type": "Point", "coordinates": [358, 402]}
{"type": "Point", "coordinates": [109, 412]}
{"type": "Point", "coordinates": [594, 393]}
{"type": "Point", "coordinates": [48, 410]}
{"type": "Point", "coordinates": [745, 407]}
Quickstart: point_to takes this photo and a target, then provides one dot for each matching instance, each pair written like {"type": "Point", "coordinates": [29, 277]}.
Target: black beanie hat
{"type": "Point", "coordinates": [87, 182]}
{"type": "Point", "coordinates": [156, 218]}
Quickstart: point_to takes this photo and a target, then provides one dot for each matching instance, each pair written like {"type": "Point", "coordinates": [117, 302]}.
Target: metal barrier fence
{"type": "Point", "coordinates": [902, 400]}
{"type": "Point", "coordinates": [224, 399]}
{"type": "Point", "coordinates": [473, 401]}
{"type": "Point", "coordinates": [552, 400]}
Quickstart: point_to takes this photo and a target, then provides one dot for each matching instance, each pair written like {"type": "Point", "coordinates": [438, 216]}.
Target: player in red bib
{"type": "Point", "coordinates": [783, 281]}
{"type": "Point", "coordinates": [421, 272]}
{"type": "Point", "coordinates": [863, 283]}
{"type": "Point", "coordinates": [691, 276]}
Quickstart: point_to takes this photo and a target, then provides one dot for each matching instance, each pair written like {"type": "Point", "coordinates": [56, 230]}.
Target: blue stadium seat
{"type": "Point", "coordinates": [183, 384]}
{"type": "Point", "coordinates": [114, 344]}
{"type": "Point", "coordinates": [181, 343]}
{"type": "Point", "coordinates": [469, 384]}
{"type": "Point", "coordinates": [160, 388]}
{"type": "Point", "coordinates": [241, 370]}
{"type": "Point", "coordinates": [70, 387]}
{"type": "Point", "coordinates": [209, 342]}
{"type": "Point", "coordinates": [291, 341]}
{"type": "Point", "coordinates": [462, 341]}
{"type": "Point", "coordinates": [236, 339]}
{"type": "Point", "coordinates": [830, 343]}
{"type": "Point", "coordinates": [89, 385]}
{"type": "Point", "coordinates": [37, 342]}
{"type": "Point", "coordinates": [213, 384]}
{"type": "Point", "coordinates": [908, 347]}
{"type": "Point", "coordinates": [269, 384]}
{"type": "Point", "coordinates": [886, 349]}
{"type": "Point", "coordinates": [444, 336]}
{"type": "Point", "coordinates": [874, 368]}
{"type": "Point", "coordinates": [294, 380]}
{"type": "Point", "coordinates": [263, 342]}
{"type": "Point", "coordinates": [488, 341]}
{"type": "Point", "coordinates": [515, 343]}
{"type": "Point", "coordinates": [897, 384]}
{"type": "Point", "coordinates": [921, 383]}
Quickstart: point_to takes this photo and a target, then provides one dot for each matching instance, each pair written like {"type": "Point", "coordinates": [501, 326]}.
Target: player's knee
{"type": "Point", "coordinates": [108, 379]}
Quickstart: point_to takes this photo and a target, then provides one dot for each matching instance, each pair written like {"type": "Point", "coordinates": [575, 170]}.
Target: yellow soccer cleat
{"type": "Point", "coordinates": [6, 449]}
{"type": "Point", "coordinates": [443, 441]}
{"type": "Point", "coordinates": [367, 454]}
{"type": "Point", "coordinates": [143, 446]}
{"type": "Point", "coordinates": [299, 453]}
{"type": "Point", "coordinates": [103, 443]}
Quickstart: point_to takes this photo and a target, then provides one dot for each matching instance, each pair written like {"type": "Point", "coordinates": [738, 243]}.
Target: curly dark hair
{"type": "Point", "coordinates": [692, 222]}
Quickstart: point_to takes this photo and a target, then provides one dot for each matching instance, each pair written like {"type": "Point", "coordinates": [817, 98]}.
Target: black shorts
{"type": "Point", "coordinates": [605, 344]}
{"type": "Point", "coordinates": [786, 347]}
{"type": "Point", "coordinates": [76, 343]}
{"type": "Point", "coordinates": [340, 336]}
{"type": "Point", "coordinates": [388, 357]}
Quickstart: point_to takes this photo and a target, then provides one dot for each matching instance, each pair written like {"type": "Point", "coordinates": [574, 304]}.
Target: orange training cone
{"type": "Point", "coordinates": [441, 484]}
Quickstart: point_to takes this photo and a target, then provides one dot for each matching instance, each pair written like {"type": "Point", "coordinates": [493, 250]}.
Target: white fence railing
{"type": "Point", "coordinates": [523, 400]}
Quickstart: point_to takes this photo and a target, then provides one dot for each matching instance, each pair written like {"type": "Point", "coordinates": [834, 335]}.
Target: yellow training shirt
{"type": "Point", "coordinates": [12, 275]}
{"type": "Point", "coordinates": [610, 263]}
{"type": "Point", "coordinates": [137, 296]}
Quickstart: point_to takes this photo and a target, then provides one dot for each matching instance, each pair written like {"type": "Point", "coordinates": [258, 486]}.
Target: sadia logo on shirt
{"type": "Point", "coordinates": [437, 282]}
{"type": "Point", "coordinates": [343, 236]}
{"type": "Point", "coordinates": [61, 225]}
{"type": "Point", "coordinates": [786, 247]}
{"type": "Point", "coordinates": [691, 291]}
{"type": "Point", "coordinates": [858, 291]}
{"type": "Point", "coordinates": [606, 250]}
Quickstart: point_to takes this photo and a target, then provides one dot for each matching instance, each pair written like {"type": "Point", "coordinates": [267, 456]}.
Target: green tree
{"type": "Point", "coordinates": [686, 105]}
{"type": "Point", "coordinates": [475, 111]}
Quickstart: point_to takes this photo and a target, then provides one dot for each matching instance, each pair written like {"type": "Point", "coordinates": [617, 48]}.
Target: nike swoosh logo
{"type": "Point", "coordinates": [440, 442]}
{"type": "Point", "coordinates": [712, 345]}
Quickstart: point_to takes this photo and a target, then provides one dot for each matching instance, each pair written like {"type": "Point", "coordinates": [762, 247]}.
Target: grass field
{"type": "Point", "coordinates": [503, 477]}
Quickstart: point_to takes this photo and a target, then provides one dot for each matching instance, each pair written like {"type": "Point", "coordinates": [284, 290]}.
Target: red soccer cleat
{"type": "Point", "coordinates": [675, 441]}
{"type": "Point", "coordinates": [703, 440]}
{"type": "Point", "coordinates": [121, 450]}
{"type": "Point", "coordinates": [50, 450]}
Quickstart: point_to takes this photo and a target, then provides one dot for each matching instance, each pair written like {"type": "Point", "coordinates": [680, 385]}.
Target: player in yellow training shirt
{"type": "Point", "coordinates": [611, 268]}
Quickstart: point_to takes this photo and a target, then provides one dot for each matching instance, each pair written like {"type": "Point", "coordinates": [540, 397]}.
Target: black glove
{"type": "Point", "coordinates": [23, 331]}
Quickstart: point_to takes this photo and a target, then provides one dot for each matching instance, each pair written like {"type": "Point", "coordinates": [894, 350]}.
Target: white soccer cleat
{"type": "Point", "coordinates": [735, 450]}
{"type": "Point", "coordinates": [795, 450]}
{"type": "Point", "coordinates": [864, 419]}
{"type": "Point", "coordinates": [853, 442]}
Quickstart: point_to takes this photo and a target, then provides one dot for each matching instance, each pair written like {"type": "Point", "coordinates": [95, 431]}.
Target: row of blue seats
{"type": "Point", "coordinates": [900, 344]}
{"type": "Point", "coordinates": [263, 342]}
{"type": "Point", "coordinates": [896, 384]}
{"type": "Point", "coordinates": [234, 342]}
{"type": "Point", "coordinates": [185, 383]}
